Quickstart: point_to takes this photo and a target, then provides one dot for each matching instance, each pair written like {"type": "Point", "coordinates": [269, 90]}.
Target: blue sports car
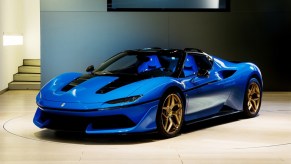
{"type": "Point", "coordinates": [149, 89]}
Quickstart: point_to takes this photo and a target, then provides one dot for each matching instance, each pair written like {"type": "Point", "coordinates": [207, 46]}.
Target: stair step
{"type": "Point", "coordinates": [26, 77]}
{"type": "Point", "coordinates": [24, 85]}
{"type": "Point", "coordinates": [31, 62]}
{"type": "Point", "coordinates": [29, 69]}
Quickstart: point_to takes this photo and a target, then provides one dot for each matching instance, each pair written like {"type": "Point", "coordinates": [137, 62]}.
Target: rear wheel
{"type": "Point", "coordinates": [170, 115]}
{"type": "Point", "coordinates": [253, 97]}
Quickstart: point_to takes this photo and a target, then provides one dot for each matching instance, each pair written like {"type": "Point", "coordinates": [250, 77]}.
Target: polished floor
{"type": "Point", "coordinates": [264, 139]}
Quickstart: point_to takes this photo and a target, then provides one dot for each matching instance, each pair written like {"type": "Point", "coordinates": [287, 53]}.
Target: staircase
{"type": "Point", "coordinates": [28, 76]}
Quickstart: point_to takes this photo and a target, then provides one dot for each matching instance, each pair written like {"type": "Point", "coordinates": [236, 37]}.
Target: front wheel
{"type": "Point", "coordinates": [253, 97]}
{"type": "Point", "coordinates": [170, 115]}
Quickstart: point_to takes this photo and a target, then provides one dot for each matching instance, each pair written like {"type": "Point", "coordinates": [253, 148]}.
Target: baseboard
{"type": "Point", "coordinates": [4, 90]}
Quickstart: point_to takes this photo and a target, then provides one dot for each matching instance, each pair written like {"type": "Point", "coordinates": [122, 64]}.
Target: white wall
{"type": "Point", "coordinates": [31, 28]}
{"type": "Point", "coordinates": [1, 47]}
{"type": "Point", "coordinates": [11, 12]}
{"type": "Point", "coordinates": [18, 17]}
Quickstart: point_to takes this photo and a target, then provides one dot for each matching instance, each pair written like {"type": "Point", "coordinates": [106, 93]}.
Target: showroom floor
{"type": "Point", "coordinates": [264, 139]}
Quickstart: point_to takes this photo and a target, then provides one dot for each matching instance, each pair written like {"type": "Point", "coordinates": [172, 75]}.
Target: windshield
{"type": "Point", "coordinates": [140, 64]}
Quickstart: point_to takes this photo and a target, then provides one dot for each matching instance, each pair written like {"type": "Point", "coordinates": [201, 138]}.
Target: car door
{"type": "Point", "coordinates": [205, 91]}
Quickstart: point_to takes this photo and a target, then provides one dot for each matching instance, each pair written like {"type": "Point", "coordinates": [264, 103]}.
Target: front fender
{"type": "Point", "coordinates": [154, 88]}
{"type": "Point", "coordinates": [57, 83]}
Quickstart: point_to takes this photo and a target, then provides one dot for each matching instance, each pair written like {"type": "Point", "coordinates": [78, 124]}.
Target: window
{"type": "Point", "coordinates": [141, 63]}
{"type": "Point", "coordinates": [168, 5]}
{"type": "Point", "coordinates": [199, 64]}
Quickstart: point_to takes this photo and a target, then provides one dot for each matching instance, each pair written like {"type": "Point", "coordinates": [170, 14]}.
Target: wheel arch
{"type": "Point", "coordinates": [179, 90]}
{"type": "Point", "coordinates": [258, 77]}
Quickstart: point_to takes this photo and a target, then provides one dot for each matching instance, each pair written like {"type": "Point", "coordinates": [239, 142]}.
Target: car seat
{"type": "Point", "coordinates": [190, 66]}
{"type": "Point", "coordinates": [153, 63]}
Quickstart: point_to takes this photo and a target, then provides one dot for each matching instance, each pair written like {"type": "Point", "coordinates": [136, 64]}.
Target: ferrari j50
{"type": "Point", "coordinates": [147, 90]}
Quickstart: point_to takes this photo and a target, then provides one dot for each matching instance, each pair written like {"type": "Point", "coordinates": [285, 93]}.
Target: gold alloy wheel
{"type": "Point", "coordinates": [172, 112]}
{"type": "Point", "coordinates": [254, 99]}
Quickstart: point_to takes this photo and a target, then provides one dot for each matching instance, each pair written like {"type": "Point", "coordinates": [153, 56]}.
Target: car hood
{"type": "Point", "coordinates": [69, 88]}
{"type": "Point", "coordinates": [78, 88]}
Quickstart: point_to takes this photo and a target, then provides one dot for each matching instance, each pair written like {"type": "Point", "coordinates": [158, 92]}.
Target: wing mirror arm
{"type": "Point", "coordinates": [90, 69]}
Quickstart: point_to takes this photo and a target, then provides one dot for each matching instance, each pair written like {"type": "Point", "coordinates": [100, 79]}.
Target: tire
{"type": "Point", "coordinates": [170, 115]}
{"type": "Point", "coordinates": [252, 99]}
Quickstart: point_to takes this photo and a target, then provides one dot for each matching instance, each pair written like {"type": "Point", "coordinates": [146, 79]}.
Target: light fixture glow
{"type": "Point", "coordinates": [10, 40]}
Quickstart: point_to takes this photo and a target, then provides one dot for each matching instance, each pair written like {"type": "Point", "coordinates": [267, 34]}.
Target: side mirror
{"type": "Point", "coordinates": [90, 68]}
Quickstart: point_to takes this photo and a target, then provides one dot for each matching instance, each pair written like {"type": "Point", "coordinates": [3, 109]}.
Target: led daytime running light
{"type": "Point", "coordinates": [124, 100]}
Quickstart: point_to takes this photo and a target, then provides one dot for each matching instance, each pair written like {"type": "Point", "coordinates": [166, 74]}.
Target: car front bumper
{"type": "Point", "coordinates": [123, 119]}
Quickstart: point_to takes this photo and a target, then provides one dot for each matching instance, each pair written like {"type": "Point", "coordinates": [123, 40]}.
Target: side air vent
{"type": "Point", "coordinates": [77, 82]}
{"type": "Point", "coordinates": [227, 73]}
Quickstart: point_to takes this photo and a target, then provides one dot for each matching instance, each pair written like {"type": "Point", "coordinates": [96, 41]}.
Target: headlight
{"type": "Point", "coordinates": [124, 100]}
